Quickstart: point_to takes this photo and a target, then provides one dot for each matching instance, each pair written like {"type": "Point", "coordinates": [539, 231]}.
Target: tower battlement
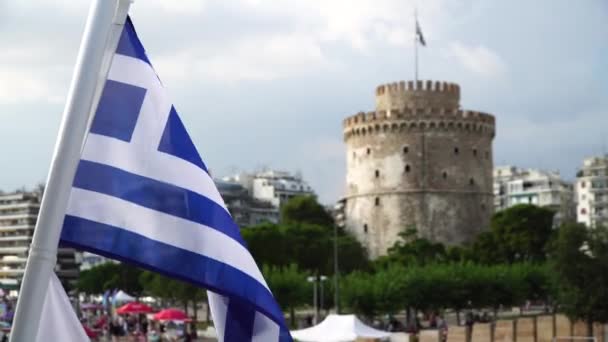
{"type": "Point", "coordinates": [420, 94]}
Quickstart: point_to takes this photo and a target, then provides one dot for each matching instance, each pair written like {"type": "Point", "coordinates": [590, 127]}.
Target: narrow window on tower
{"type": "Point", "coordinates": [475, 152]}
{"type": "Point", "coordinates": [369, 150]}
{"type": "Point", "coordinates": [445, 175]}
{"type": "Point", "coordinates": [471, 181]}
{"type": "Point", "coordinates": [456, 150]}
{"type": "Point", "coordinates": [407, 168]}
{"type": "Point", "coordinates": [406, 149]}
{"type": "Point", "coordinates": [377, 173]}
{"type": "Point", "coordinates": [365, 228]}
{"type": "Point", "coordinates": [377, 201]}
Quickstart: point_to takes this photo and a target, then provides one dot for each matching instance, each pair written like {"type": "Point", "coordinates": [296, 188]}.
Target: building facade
{"type": "Point", "coordinates": [275, 187]}
{"type": "Point", "coordinates": [418, 161]}
{"type": "Point", "coordinates": [246, 210]}
{"type": "Point", "coordinates": [18, 214]}
{"type": "Point", "coordinates": [514, 186]}
{"type": "Point", "coordinates": [592, 192]}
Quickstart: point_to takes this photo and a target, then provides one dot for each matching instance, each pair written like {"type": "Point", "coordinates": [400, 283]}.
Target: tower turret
{"type": "Point", "coordinates": [418, 161]}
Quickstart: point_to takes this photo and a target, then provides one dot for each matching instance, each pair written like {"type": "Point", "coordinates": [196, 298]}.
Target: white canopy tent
{"type": "Point", "coordinates": [339, 328]}
{"type": "Point", "coordinates": [122, 297]}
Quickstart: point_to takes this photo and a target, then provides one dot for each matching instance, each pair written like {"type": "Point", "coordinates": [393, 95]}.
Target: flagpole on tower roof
{"type": "Point", "coordinates": [415, 45]}
{"type": "Point", "coordinates": [102, 31]}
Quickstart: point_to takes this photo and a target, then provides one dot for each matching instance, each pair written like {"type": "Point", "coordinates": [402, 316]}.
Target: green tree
{"type": "Point", "coordinates": [413, 250]}
{"type": "Point", "coordinates": [268, 244]}
{"type": "Point", "coordinates": [171, 290]}
{"type": "Point", "coordinates": [580, 261]}
{"type": "Point", "coordinates": [307, 245]}
{"type": "Point", "coordinates": [358, 293]}
{"type": "Point", "coordinates": [305, 209]}
{"type": "Point", "coordinates": [289, 286]}
{"type": "Point", "coordinates": [522, 232]}
{"type": "Point", "coordinates": [108, 276]}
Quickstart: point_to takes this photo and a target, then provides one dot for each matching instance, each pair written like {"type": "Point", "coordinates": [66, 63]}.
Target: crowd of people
{"type": "Point", "coordinates": [136, 327]}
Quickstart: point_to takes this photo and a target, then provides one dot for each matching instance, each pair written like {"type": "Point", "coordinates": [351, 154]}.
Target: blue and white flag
{"type": "Point", "coordinates": [143, 195]}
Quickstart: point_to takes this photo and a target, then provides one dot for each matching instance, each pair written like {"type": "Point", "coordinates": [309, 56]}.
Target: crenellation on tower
{"type": "Point", "coordinates": [428, 162]}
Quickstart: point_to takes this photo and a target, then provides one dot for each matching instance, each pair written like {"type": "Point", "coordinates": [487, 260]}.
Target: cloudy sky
{"type": "Point", "coordinates": [263, 83]}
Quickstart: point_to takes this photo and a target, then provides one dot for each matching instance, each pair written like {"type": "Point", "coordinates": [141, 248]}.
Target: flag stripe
{"type": "Point", "coordinates": [264, 329]}
{"type": "Point", "coordinates": [162, 167]}
{"type": "Point", "coordinates": [175, 141]}
{"type": "Point", "coordinates": [162, 227]}
{"type": "Point", "coordinates": [239, 321]}
{"type": "Point", "coordinates": [130, 45]}
{"type": "Point", "coordinates": [159, 196]}
{"type": "Point", "coordinates": [219, 276]}
{"type": "Point", "coordinates": [218, 305]}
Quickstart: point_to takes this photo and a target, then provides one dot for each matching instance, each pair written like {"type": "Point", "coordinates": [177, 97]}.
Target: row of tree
{"type": "Point", "coordinates": [435, 287]}
{"type": "Point", "coordinates": [521, 257]}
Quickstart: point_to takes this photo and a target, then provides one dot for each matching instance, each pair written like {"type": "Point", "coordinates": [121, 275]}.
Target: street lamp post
{"type": "Point", "coordinates": [321, 280]}
{"type": "Point", "coordinates": [336, 272]}
{"type": "Point", "coordinates": [313, 280]}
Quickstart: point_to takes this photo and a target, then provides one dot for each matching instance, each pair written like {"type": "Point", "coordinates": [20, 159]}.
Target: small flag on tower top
{"type": "Point", "coordinates": [419, 35]}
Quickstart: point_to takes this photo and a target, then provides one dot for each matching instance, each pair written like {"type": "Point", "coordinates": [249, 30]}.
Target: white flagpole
{"type": "Point", "coordinates": [102, 32]}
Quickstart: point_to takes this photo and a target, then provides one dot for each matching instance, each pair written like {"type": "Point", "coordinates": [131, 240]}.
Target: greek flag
{"type": "Point", "coordinates": [143, 195]}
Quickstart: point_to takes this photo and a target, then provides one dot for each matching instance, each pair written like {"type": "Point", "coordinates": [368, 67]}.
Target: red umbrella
{"type": "Point", "coordinates": [134, 308]}
{"type": "Point", "coordinates": [171, 315]}
{"type": "Point", "coordinates": [90, 333]}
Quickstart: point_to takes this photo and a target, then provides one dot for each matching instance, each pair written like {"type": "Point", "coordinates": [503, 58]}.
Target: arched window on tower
{"type": "Point", "coordinates": [471, 181]}
{"type": "Point", "coordinates": [406, 149]}
{"type": "Point", "coordinates": [475, 152]}
{"type": "Point", "coordinates": [365, 228]}
{"type": "Point", "coordinates": [369, 150]}
{"type": "Point", "coordinates": [456, 150]}
{"type": "Point", "coordinates": [377, 201]}
{"type": "Point", "coordinates": [377, 173]}
{"type": "Point", "coordinates": [407, 168]}
{"type": "Point", "coordinates": [445, 175]}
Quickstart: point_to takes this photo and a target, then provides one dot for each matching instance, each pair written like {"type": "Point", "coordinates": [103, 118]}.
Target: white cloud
{"type": "Point", "coordinates": [256, 58]}
{"type": "Point", "coordinates": [478, 59]}
{"type": "Point", "coordinates": [358, 23]}
{"type": "Point", "coordinates": [29, 74]}
{"type": "Point", "coordinates": [188, 7]}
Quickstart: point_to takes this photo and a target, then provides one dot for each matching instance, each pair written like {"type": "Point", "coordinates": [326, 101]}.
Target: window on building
{"type": "Point", "coordinates": [456, 150]}
{"type": "Point", "coordinates": [475, 152]}
{"type": "Point", "coordinates": [406, 149]}
{"type": "Point", "coordinates": [377, 201]}
{"type": "Point", "coordinates": [365, 228]}
{"type": "Point", "coordinates": [582, 184]}
{"type": "Point", "coordinates": [407, 168]}
{"type": "Point", "coordinates": [583, 211]}
{"type": "Point", "coordinates": [377, 173]}
{"type": "Point", "coordinates": [471, 181]}
{"type": "Point", "coordinates": [369, 150]}
{"type": "Point", "coordinates": [445, 175]}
